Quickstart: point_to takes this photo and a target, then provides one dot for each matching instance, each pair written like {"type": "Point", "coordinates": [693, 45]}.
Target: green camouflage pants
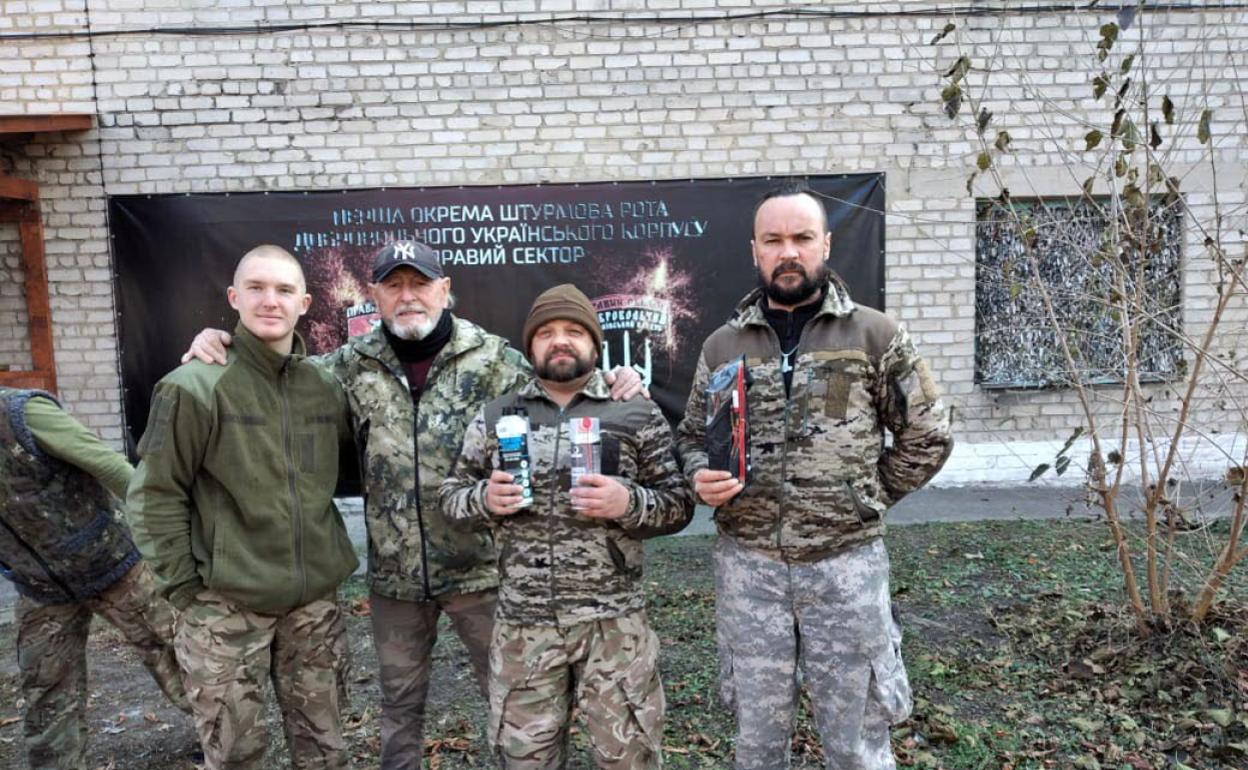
{"type": "Point", "coordinates": [833, 618]}
{"type": "Point", "coordinates": [609, 666]}
{"type": "Point", "coordinates": [404, 633]}
{"type": "Point", "coordinates": [227, 652]}
{"type": "Point", "coordinates": [52, 657]}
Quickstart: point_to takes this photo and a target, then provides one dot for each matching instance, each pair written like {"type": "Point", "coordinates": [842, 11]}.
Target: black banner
{"type": "Point", "coordinates": [664, 262]}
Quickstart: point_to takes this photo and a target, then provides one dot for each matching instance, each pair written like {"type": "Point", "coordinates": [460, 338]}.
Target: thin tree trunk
{"type": "Point", "coordinates": [1227, 559]}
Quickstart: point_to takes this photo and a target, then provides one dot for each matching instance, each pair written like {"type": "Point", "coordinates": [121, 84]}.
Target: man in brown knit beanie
{"type": "Point", "coordinates": [571, 632]}
{"type": "Point", "coordinates": [562, 302]}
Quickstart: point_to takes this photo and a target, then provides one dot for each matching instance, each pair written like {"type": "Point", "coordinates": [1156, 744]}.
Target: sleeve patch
{"type": "Point", "coordinates": [158, 426]}
{"type": "Point", "coordinates": [927, 383]}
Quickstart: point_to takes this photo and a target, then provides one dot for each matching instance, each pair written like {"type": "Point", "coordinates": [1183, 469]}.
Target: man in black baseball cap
{"type": "Point", "coordinates": [411, 291]}
{"type": "Point", "coordinates": [420, 566]}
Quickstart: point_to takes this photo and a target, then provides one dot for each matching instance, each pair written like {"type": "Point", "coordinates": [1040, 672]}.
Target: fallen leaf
{"type": "Point", "coordinates": [1087, 762]}
{"type": "Point", "coordinates": [1223, 717]}
{"type": "Point", "coordinates": [1084, 725]}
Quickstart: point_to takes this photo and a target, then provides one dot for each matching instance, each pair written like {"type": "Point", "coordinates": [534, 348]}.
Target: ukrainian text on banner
{"type": "Point", "coordinates": [664, 262]}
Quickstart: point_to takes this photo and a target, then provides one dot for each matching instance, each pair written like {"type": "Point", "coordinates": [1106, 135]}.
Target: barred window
{"type": "Point", "coordinates": [1085, 272]}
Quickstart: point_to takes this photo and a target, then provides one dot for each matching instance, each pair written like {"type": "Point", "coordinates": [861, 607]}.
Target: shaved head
{"type": "Point", "coordinates": [270, 251]}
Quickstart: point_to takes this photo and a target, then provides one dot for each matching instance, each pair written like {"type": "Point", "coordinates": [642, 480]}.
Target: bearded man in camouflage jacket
{"type": "Point", "coordinates": [801, 568]}
{"type": "Point", "coordinates": [412, 385]}
{"type": "Point", "coordinates": [571, 628]}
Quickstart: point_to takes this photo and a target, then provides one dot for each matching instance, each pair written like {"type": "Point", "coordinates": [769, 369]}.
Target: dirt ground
{"type": "Point", "coordinates": [132, 727]}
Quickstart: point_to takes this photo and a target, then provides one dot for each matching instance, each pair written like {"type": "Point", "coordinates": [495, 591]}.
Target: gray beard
{"type": "Point", "coordinates": [413, 334]}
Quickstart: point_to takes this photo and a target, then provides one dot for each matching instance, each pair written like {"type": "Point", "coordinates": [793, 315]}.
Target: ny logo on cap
{"type": "Point", "coordinates": [405, 250]}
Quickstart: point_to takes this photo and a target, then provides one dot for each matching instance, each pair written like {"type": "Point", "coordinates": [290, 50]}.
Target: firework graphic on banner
{"type": "Point", "coordinates": [640, 316]}
{"type": "Point", "coordinates": [341, 308]}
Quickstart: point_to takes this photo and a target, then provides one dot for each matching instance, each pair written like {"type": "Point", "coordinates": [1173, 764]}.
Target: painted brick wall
{"type": "Point", "coordinates": [629, 98]}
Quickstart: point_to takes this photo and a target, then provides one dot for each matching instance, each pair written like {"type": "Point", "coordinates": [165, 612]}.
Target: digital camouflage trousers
{"type": "Point", "coordinates": [833, 619]}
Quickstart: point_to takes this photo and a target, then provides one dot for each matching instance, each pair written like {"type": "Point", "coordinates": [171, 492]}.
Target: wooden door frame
{"type": "Point", "coordinates": [19, 204]}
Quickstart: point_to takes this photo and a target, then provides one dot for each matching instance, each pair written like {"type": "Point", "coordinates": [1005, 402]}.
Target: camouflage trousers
{"type": "Point", "coordinates": [227, 652]}
{"type": "Point", "coordinates": [404, 634]}
{"type": "Point", "coordinates": [609, 666]}
{"type": "Point", "coordinates": [831, 617]}
{"type": "Point", "coordinates": [52, 658]}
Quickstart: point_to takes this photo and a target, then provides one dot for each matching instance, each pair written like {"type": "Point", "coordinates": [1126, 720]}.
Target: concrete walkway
{"type": "Point", "coordinates": [970, 503]}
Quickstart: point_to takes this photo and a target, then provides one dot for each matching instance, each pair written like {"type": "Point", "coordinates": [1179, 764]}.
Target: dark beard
{"type": "Point", "coordinates": [564, 371]}
{"type": "Point", "coordinates": [803, 291]}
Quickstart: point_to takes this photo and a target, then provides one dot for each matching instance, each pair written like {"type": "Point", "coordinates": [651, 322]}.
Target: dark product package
{"type": "Point", "coordinates": [512, 430]}
{"type": "Point", "coordinates": [728, 420]}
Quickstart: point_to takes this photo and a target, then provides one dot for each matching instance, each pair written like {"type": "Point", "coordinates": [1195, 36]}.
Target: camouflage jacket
{"type": "Point", "coordinates": [822, 476]}
{"type": "Point", "coordinates": [558, 568]}
{"type": "Point", "coordinates": [407, 448]}
{"type": "Point", "coordinates": [62, 537]}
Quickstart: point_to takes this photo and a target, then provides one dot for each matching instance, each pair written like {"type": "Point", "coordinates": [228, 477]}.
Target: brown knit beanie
{"type": "Point", "coordinates": [566, 303]}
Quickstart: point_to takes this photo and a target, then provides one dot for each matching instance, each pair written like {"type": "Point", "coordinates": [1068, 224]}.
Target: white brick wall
{"type": "Point", "coordinates": [620, 99]}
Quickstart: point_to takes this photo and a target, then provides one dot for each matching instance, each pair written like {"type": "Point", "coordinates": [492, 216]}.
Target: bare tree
{"type": "Point", "coordinates": [1145, 388]}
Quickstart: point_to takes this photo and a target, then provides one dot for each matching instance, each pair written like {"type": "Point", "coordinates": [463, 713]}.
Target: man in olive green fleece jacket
{"type": "Point", "coordinates": [232, 506]}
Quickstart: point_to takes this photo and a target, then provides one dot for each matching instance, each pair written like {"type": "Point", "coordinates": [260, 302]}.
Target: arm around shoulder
{"type": "Point", "coordinates": [518, 365]}
{"type": "Point", "coordinates": [335, 362]}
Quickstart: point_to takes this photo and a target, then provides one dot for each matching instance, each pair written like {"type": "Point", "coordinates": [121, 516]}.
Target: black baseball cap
{"type": "Point", "coordinates": [410, 254]}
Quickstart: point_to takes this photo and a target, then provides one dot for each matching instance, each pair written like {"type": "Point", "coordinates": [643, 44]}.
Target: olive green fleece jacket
{"type": "Point", "coordinates": [234, 491]}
